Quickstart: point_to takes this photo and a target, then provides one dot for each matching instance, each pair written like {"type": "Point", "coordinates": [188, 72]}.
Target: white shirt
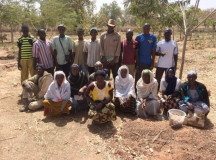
{"type": "Point", "coordinates": [93, 49]}
{"type": "Point", "coordinates": [164, 84]}
{"type": "Point", "coordinates": [171, 47]}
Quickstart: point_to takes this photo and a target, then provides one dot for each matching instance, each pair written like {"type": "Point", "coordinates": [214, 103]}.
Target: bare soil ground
{"type": "Point", "coordinates": [32, 136]}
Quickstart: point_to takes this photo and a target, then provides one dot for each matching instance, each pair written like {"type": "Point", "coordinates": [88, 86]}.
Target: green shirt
{"type": "Point", "coordinates": [25, 43]}
{"type": "Point", "coordinates": [67, 45]}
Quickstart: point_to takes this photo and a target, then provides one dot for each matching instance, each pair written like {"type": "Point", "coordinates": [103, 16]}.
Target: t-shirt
{"type": "Point", "coordinates": [129, 51]}
{"type": "Point", "coordinates": [145, 45]}
{"type": "Point", "coordinates": [79, 54]}
{"type": "Point", "coordinates": [26, 46]}
{"type": "Point", "coordinates": [164, 84]}
{"type": "Point", "coordinates": [93, 49]}
{"type": "Point", "coordinates": [99, 94]}
{"type": "Point", "coordinates": [43, 51]}
{"type": "Point", "coordinates": [171, 48]}
{"type": "Point", "coordinates": [67, 45]}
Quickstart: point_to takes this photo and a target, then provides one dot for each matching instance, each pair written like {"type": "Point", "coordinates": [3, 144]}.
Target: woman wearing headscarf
{"type": "Point", "coordinates": [57, 99]}
{"type": "Point", "coordinates": [194, 95]}
{"type": "Point", "coordinates": [100, 94]}
{"type": "Point", "coordinates": [124, 91]}
{"type": "Point", "coordinates": [98, 66]}
{"type": "Point", "coordinates": [78, 83]}
{"type": "Point", "coordinates": [169, 87]}
{"type": "Point", "coordinates": [147, 88]}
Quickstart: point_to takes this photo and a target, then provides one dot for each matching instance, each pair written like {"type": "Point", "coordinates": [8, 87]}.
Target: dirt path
{"type": "Point", "coordinates": [32, 136]}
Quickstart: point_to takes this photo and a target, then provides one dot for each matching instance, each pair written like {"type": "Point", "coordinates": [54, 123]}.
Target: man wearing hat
{"type": "Point", "coordinates": [62, 46]}
{"type": "Point", "coordinates": [92, 51]}
{"type": "Point", "coordinates": [110, 43]}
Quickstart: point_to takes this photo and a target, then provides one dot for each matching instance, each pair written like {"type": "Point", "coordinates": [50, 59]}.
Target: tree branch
{"type": "Point", "coordinates": [196, 8]}
{"type": "Point", "coordinates": [203, 21]}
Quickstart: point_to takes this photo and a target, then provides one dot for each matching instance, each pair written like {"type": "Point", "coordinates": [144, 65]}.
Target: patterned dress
{"type": "Point", "coordinates": [107, 113]}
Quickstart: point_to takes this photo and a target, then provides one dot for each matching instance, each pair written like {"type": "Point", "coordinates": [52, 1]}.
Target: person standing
{"type": "Point", "coordinates": [167, 49]}
{"type": "Point", "coordinates": [25, 59]}
{"type": "Point", "coordinates": [92, 51]}
{"type": "Point", "coordinates": [110, 43]}
{"type": "Point", "coordinates": [62, 46]}
{"type": "Point", "coordinates": [129, 52]}
{"type": "Point", "coordinates": [42, 52]}
{"type": "Point", "coordinates": [78, 51]}
{"type": "Point", "coordinates": [147, 44]}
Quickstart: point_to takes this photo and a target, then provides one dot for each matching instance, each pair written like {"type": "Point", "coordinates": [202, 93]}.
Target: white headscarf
{"type": "Point", "coordinates": [147, 90]}
{"type": "Point", "coordinates": [124, 86]}
{"type": "Point", "coordinates": [58, 93]}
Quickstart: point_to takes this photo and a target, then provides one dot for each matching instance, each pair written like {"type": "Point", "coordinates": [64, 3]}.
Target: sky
{"type": "Point", "coordinates": [204, 4]}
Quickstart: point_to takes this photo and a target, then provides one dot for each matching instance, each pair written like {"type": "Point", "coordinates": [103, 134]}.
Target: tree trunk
{"type": "Point", "coordinates": [1, 33]}
{"type": "Point", "coordinates": [180, 35]}
{"type": "Point", "coordinates": [173, 32]}
{"type": "Point", "coordinates": [213, 28]}
{"type": "Point", "coordinates": [183, 55]}
{"type": "Point", "coordinates": [191, 34]}
{"type": "Point", "coordinates": [12, 36]}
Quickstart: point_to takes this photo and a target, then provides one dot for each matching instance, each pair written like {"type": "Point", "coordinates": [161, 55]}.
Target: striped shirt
{"type": "Point", "coordinates": [43, 51]}
{"type": "Point", "coordinates": [26, 46]}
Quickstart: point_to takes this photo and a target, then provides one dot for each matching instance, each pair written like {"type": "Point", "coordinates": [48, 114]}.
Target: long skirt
{"type": "Point", "coordinates": [127, 109]}
{"type": "Point", "coordinates": [52, 108]}
{"type": "Point", "coordinates": [152, 108]}
{"type": "Point", "coordinates": [200, 107]}
{"type": "Point", "coordinates": [104, 115]}
{"type": "Point", "coordinates": [172, 104]}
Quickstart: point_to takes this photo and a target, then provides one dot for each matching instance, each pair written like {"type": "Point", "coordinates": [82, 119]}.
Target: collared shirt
{"type": "Point", "coordinates": [145, 45]}
{"type": "Point", "coordinates": [129, 51]}
{"type": "Point", "coordinates": [110, 45]}
{"type": "Point", "coordinates": [171, 48]}
{"type": "Point", "coordinates": [79, 54]}
{"type": "Point", "coordinates": [43, 51]}
{"type": "Point", "coordinates": [26, 46]}
{"type": "Point", "coordinates": [67, 45]}
{"type": "Point", "coordinates": [93, 49]}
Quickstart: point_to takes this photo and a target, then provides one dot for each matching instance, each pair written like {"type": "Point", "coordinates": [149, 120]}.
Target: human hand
{"type": "Point", "coordinates": [19, 66]}
{"type": "Point", "coordinates": [80, 93]}
{"type": "Point", "coordinates": [112, 63]}
{"type": "Point", "coordinates": [152, 66]}
{"type": "Point", "coordinates": [143, 106]}
{"type": "Point", "coordinates": [99, 106]}
{"type": "Point", "coordinates": [128, 101]}
{"type": "Point", "coordinates": [122, 104]}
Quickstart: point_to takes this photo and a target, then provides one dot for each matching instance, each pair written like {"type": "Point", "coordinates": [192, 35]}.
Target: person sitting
{"type": "Point", "coordinates": [35, 88]}
{"type": "Point", "coordinates": [98, 66]}
{"type": "Point", "coordinates": [124, 91]}
{"type": "Point", "coordinates": [57, 99]}
{"type": "Point", "coordinates": [78, 83]}
{"type": "Point", "coordinates": [100, 94]}
{"type": "Point", "coordinates": [170, 90]}
{"type": "Point", "coordinates": [194, 95]}
{"type": "Point", "coordinates": [147, 88]}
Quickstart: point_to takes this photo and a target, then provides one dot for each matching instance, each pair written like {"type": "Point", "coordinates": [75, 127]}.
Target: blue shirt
{"type": "Point", "coordinates": [145, 45]}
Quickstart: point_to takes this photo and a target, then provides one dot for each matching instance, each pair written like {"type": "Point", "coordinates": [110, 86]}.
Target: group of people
{"type": "Point", "coordinates": [69, 76]}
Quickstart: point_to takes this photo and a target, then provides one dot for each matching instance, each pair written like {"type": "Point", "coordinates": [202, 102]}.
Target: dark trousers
{"type": "Point", "coordinates": [65, 68]}
{"type": "Point", "coordinates": [91, 70]}
{"type": "Point", "coordinates": [138, 74]}
{"type": "Point", "coordinates": [114, 69]}
{"type": "Point", "coordinates": [50, 70]}
{"type": "Point", "coordinates": [159, 74]}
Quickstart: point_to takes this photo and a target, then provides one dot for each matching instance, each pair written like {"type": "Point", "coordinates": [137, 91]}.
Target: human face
{"type": "Point", "coordinates": [129, 36]}
{"type": "Point", "coordinates": [93, 34]}
{"type": "Point", "coordinates": [146, 30]}
{"type": "Point", "coordinates": [59, 79]}
{"type": "Point", "coordinates": [39, 71]}
{"type": "Point", "coordinates": [75, 71]}
{"type": "Point", "coordinates": [146, 78]}
{"type": "Point", "coordinates": [25, 32]}
{"type": "Point", "coordinates": [61, 30]}
{"type": "Point", "coordinates": [98, 67]}
{"type": "Point", "coordinates": [100, 80]}
{"type": "Point", "coordinates": [123, 73]}
{"type": "Point", "coordinates": [170, 73]}
{"type": "Point", "coordinates": [167, 35]}
{"type": "Point", "coordinates": [110, 29]}
{"type": "Point", "coordinates": [191, 79]}
{"type": "Point", "coordinates": [80, 35]}
{"type": "Point", "coordinates": [42, 34]}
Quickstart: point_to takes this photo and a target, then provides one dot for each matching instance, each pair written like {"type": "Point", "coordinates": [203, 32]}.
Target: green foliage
{"type": "Point", "coordinates": [210, 57]}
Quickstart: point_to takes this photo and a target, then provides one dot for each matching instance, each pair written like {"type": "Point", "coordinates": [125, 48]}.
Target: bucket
{"type": "Point", "coordinates": [176, 118]}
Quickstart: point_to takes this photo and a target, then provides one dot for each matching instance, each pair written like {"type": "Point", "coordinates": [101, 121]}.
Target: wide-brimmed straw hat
{"type": "Point", "coordinates": [111, 23]}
